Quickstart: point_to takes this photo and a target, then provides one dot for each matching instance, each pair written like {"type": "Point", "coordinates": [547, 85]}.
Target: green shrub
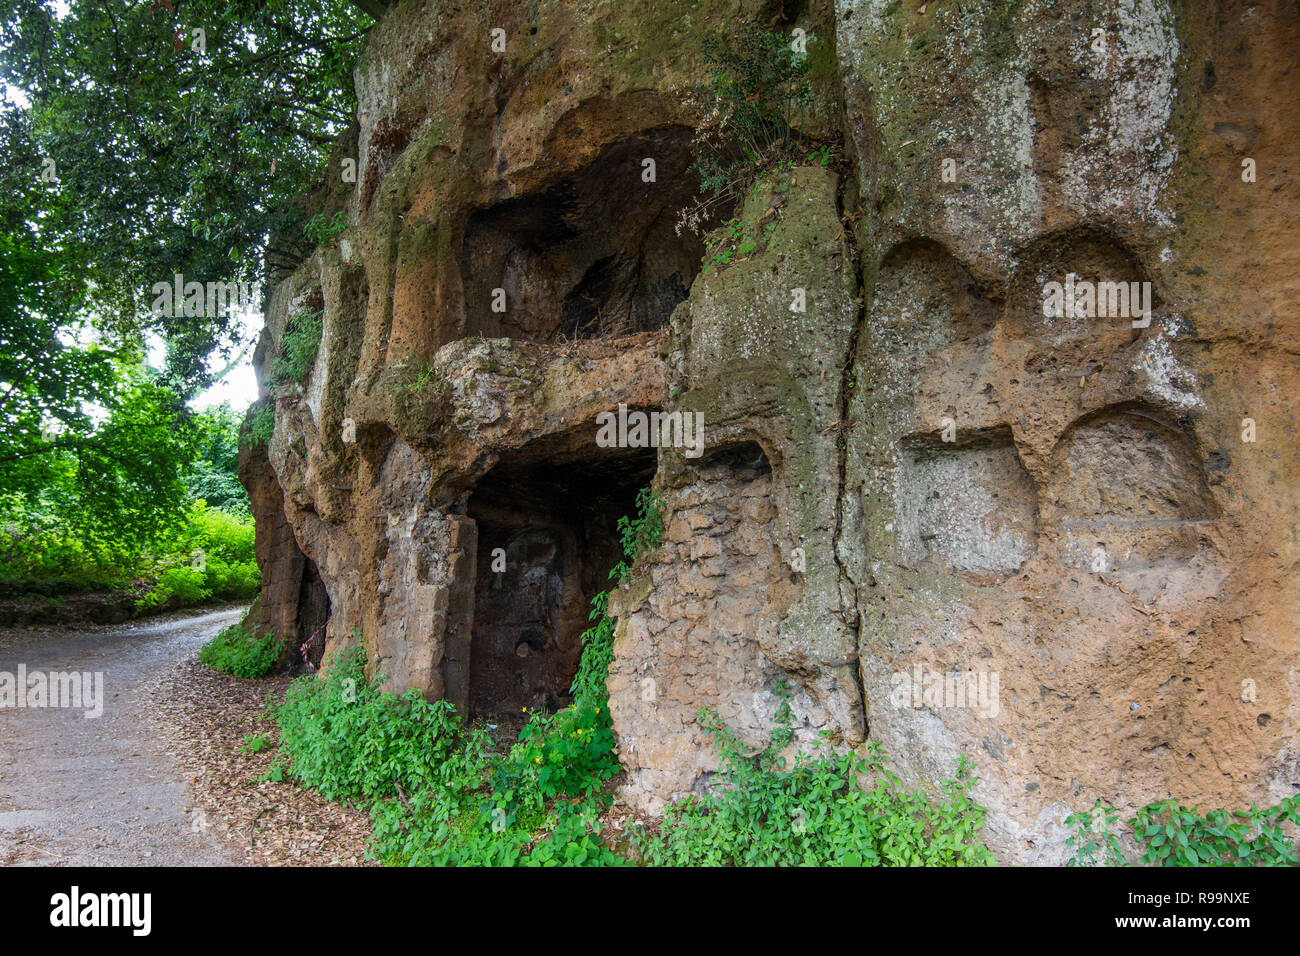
{"type": "Point", "coordinates": [184, 583]}
{"type": "Point", "coordinates": [341, 736]}
{"type": "Point", "coordinates": [240, 654]}
{"type": "Point", "coordinates": [212, 555]}
{"type": "Point", "coordinates": [259, 426]}
{"type": "Point", "coordinates": [441, 795]}
{"type": "Point", "coordinates": [816, 813]}
{"type": "Point", "coordinates": [320, 230]}
{"type": "Point", "coordinates": [753, 99]}
{"type": "Point", "coordinates": [1173, 835]}
{"type": "Point", "coordinates": [299, 344]}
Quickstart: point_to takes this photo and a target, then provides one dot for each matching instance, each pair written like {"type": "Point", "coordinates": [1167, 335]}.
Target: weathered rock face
{"type": "Point", "coordinates": [950, 516]}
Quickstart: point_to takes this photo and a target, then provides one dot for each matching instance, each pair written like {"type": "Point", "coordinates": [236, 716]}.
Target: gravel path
{"type": "Point", "coordinates": [104, 791]}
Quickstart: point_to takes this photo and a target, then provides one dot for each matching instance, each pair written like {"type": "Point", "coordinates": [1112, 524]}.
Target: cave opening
{"type": "Point", "coordinates": [313, 616]}
{"type": "Point", "coordinates": [596, 254]}
{"type": "Point", "coordinates": [547, 539]}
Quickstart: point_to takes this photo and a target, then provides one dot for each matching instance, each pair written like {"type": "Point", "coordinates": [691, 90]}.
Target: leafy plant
{"type": "Point", "coordinates": [298, 346]}
{"type": "Point", "coordinates": [255, 744]}
{"type": "Point", "coordinates": [637, 536]}
{"type": "Point", "coordinates": [752, 102]}
{"type": "Point", "coordinates": [260, 425]}
{"type": "Point", "coordinates": [1177, 836]}
{"type": "Point", "coordinates": [320, 230]}
{"type": "Point", "coordinates": [240, 654]}
{"type": "Point", "coordinates": [815, 813]}
{"type": "Point", "coordinates": [341, 736]}
{"type": "Point", "coordinates": [821, 155]}
{"type": "Point", "coordinates": [440, 794]}
{"type": "Point", "coordinates": [1174, 835]}
{"type": "Point", "coordinates": [1093, 837]}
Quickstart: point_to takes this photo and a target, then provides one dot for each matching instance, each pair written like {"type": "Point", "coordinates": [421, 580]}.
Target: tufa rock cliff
{"type": "Point", "coordinates": [953, 518]}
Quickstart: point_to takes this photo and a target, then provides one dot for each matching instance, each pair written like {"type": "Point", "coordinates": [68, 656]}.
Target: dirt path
{"type": "Point", "coordinates": [102, 791]}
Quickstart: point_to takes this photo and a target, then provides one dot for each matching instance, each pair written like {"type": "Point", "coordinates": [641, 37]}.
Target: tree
{"type": "Point", "coordinates": [179, 135]}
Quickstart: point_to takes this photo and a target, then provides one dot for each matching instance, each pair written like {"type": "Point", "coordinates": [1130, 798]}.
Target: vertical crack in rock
{"type": "Point", "coordinates": [847, 385]}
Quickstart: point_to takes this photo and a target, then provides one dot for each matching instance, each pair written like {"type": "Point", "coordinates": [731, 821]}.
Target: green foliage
{"type": "Point", "coordinates": [298, 347]}
{"type": "Point", "coordinates": [1173, 835]}
{"type": "Point", "coordinates": [255, 744]}
{"type": "Point", "coordinates": [207, 554]}
{"type": "Point", "coordinates": [345, 739]}
{"type": "Point", "coordinates": [1176, 836]}
{"type": "Point", "coordinates": [1094, 838]}
{"type": "Point", "coordinates": [816, 813]}
{"type": "Point", "coordinates": [240, 654]}
{"type": "Point", "coordinates": [755, 96]}
{"type": "Point", "coordinates": [213, 474]}
{"type": "Point", "coordinates": [205, 151]}
{"type": "Point", "coordinates": [259, 426]}
{"type": "Point", "coordinates": [637, 536]}
{"type": "Point", "coordinates": [821, 155]}
{"type": "Point", "coordinates": [442, 795]}
{"type": "Point", "coordinates": [101, 464]}
{"type": "Point", "coordinates": [321, 230]}
{"type": "Point", "coordinates": [210, 556]}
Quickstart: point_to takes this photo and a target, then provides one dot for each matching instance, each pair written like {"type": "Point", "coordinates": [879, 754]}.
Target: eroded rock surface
{"type": "Point", "coordinates": [911, 467]}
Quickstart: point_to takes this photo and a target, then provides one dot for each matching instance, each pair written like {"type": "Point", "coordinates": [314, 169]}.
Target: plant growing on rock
{"type": "Point", "coordinates": [1171, 834]}
{"type": "Point", "coordinates": [259, 426]}
{"type": "Point", "coordinates": [320, 230]}
{"type": "Point", "coordinates": [815, 813]}
{"type": "Point", "coordinates": [752, 102]}
{"type": "Point", "coordinates": [299, 344]}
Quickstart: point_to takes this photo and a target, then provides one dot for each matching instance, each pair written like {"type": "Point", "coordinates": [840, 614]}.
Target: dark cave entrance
{"type": "Point", "coordinates": [547, 538]}
{"type": "Point", "coordinates": [313, 615]}
{"type": "Point", "coordinates": [595, 254]}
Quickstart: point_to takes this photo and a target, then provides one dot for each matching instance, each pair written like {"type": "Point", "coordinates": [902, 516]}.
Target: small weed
{"type": "Point", "coordinates": [255, 744]}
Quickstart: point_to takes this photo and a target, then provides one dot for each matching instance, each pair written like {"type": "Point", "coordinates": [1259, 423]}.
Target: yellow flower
{"type": "Point", "coordinates": [538, 759]}
{"type": "Point", "coordinates": [524, 709]}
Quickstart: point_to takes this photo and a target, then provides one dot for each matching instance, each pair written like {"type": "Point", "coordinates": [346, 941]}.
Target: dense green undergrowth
{"type": "Point", "coordinates": [441, 793]}
{"type": "Point", "coordinates": [235, 651]}
{"type": "Point", "coordinates": [63, 531]}
{"type": "Point", "coordinates": [827, 809]}
{"type": "Point", "coordinates": [208, 555]}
